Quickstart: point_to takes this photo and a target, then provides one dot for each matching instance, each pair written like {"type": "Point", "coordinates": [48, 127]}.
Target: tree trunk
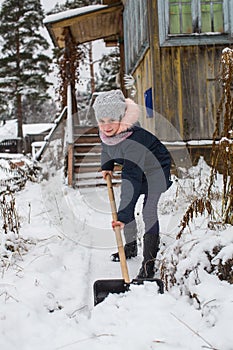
{"type": "Point", "coordinates": [19, 96]}
{"type": "Point", "coordinates": [20, 122]}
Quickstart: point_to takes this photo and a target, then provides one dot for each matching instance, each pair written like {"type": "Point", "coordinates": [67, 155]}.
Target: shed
{"type": "Point", "coordinates": [35, 133]}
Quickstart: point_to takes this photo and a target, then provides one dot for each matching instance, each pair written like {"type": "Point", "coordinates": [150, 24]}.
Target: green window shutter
{"type": "Point", "coordinates": [187, 19]}
{"type": "Point", "coordinates": [218, 18]}
{"type": "Point", "coordinates": [174, 16]}
{"type": "Point", "coordinates": [212, 16]}
{"type": "Point", "coordinates": [180, 17]}
{"type": "Point", "coordinates": [205, 18]}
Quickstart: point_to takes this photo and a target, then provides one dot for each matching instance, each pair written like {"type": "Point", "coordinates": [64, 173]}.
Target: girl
{"type": "Point", "coordinates": [145, 170]}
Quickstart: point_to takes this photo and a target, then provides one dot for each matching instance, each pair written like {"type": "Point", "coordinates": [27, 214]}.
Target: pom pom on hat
{"type": "Point", "coordinates": [110, 104]}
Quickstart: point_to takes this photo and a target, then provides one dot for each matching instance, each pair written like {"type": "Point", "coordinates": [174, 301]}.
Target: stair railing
{"type": "Point", "coordinates": [48, 138]}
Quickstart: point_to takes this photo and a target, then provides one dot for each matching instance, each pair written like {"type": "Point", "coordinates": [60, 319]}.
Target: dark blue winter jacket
{"type": "Point", "coordinates": [145, 164]}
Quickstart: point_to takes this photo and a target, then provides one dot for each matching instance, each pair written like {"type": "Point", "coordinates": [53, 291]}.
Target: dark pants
{"type": "Point", "coordinates": [150, 218]}
{"type": "Point", "coordinates": [150, 212]}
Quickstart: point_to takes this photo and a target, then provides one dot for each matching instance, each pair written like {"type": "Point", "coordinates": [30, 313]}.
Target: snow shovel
{"type": "Point", "coordinates": [102, 288]}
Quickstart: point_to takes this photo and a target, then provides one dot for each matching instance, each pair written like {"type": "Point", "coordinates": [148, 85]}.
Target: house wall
{"type": "Point", "coordinates": [143, 80]}
{"type": "Point", "coordinates": [185, 87]}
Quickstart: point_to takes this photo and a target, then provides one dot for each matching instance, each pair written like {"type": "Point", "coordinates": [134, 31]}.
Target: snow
{"type": "Point", "coordinates": [72, 13]}
{"type": "Point", "coordinates": [11, 156]}
{"type": "Point", "coordinates": [46, 291]}
{"type": "Point", "coordinates": [9, 130]}
{"type": "Point", "coordinates": [46, 294]}
{"type": "Point", "coordinates": [38, 128]}
{"type": "Point", "coordinates": [190, 142]}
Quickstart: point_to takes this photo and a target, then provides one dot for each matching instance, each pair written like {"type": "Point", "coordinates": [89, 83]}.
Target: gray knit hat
{"type": "Point", "coordinates": [110, 104]}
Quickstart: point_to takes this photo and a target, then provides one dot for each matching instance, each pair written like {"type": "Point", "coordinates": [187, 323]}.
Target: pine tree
{"type": "Point", "coordinates": [34, 110]}
{"type": "Point", "coordinates": [4, 112]}
{"type": "Point", "coordinates": [73, 4]}
{"type": "Point", "coordinates": [23, 64]}
{"type": "Point", "coordinates": [109, 67]}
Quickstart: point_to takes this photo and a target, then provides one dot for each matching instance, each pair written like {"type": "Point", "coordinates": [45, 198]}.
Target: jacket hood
{"type": "Point", "coordinates": [131, 116]}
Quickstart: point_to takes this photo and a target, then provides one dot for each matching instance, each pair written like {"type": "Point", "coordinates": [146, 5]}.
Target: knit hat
{"type": "Point", "coordinates": [110, 104]}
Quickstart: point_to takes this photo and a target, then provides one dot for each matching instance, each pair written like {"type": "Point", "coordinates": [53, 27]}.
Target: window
{"type": "Point", "coordinates": [190, 22]}
{"type": "Point", "coordinates": [186, 17]}
{"type": "Point", "coordinates": [135, 32]}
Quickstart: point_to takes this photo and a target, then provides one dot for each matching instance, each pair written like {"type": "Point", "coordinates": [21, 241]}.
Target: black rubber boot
{"type": "Point", "coordinates": [131, 250]}
{"type": "Point", "coordinates": [150, 249]}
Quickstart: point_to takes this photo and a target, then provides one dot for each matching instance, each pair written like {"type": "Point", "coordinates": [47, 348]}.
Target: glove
{"type": "Point", "coordinates": [107, 172]}
{"type": "Point", "coordinates": [117, 223]}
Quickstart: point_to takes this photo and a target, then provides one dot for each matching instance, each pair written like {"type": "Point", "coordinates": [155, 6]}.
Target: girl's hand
{"type": "Point", "coordinates": [117, 223]}
{"type": "Point", "coordinates": [106, 172]}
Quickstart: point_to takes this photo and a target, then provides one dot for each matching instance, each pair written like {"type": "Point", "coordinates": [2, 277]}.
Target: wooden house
{"type": "Point", "coordinates": [173, 51]}
{"type": "Point", "coordinates": [172, 48]}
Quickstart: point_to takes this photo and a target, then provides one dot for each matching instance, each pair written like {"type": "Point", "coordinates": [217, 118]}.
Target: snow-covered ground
{"type": "Point", "coordinates": [64, 244]}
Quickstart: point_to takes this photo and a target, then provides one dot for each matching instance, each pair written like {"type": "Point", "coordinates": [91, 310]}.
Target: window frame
{"type": "Point", "coordinates": [194, 38]}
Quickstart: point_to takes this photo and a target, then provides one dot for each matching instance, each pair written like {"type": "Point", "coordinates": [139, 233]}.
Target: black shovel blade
{"type": "Point", "coordinates": [102, 288]}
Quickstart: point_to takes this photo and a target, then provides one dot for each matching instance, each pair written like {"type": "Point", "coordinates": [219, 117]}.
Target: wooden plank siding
{"type": "Point", "coordinates": [144, 82]}
{"type": "Point", "coordinates": [189, 89]}
{"type": "Point", "coordinates": [184, 81]}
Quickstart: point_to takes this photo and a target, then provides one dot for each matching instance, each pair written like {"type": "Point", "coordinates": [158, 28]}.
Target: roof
{"type": "Point", "coordinates": [86, 23]}
{"type": "Point", "coordinates": [35, 129]}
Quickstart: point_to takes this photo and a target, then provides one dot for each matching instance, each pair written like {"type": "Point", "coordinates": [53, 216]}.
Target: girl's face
{"type": "Point", "coordinates": [108, 126]}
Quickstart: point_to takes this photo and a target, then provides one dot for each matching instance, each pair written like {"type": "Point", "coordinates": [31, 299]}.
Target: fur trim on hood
{"type": "Point", "coordinates": [131, 116]}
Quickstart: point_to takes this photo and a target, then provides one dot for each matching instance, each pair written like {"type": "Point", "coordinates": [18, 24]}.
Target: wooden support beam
{"type": "Point", "coordinates": [70, 164]}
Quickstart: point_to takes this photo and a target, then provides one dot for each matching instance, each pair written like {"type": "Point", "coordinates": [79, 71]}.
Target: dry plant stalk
{"type": "Point", "coordinates": [68, 62]}
{"type": "Point", "coordinates": [9, 214]}
{"type": "Point", "coordinates": [222, 151]}
{"type": "Point", "coordinates": [198, 206]}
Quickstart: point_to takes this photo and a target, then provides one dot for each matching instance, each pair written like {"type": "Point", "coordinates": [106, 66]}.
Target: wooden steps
{"type": "Point", "coordinates": [93, 179]}
{"type": "Point", "coordinates": [87, 153]}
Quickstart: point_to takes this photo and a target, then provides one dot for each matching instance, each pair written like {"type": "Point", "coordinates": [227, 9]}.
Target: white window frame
{"type": "Point", "coordinates": [194, 38]}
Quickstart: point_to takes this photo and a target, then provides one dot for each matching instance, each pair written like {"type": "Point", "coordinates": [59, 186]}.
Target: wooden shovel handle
{"type": "Point", "coordinates": [117, 230]}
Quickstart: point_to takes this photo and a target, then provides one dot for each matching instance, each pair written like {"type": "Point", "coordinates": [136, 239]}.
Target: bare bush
{"type": "Point", "coordinates": [222, 150]}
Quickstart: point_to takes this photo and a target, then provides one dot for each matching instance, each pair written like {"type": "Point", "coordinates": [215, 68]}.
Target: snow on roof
{"type": "Point", "coordinates": [34, 129]}
{"type": "Point", "coordinates": [11, 156]}
{"type": "Point", "coordinates": [9, 130]}
{"type": "Point", "coordinates": [72, 13]}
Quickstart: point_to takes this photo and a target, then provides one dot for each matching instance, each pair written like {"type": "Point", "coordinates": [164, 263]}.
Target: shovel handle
{"type": "Point", "coordinates": [117, 230]}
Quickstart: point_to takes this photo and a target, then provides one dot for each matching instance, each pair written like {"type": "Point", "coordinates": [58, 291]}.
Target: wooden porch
{"type": "Point", "coordinates": [68, 29]}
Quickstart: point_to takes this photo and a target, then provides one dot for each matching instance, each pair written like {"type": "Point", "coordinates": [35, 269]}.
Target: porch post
{"type": "Point", "coordinates": [70, 136]}
{"type": "Point", "coordinates": [122, 55]}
